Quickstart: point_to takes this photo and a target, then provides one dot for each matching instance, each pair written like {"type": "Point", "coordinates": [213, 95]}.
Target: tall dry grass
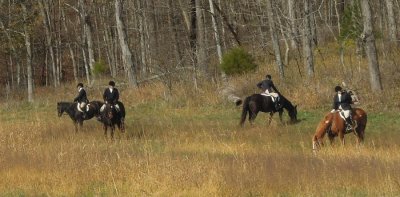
{"type": "Point", "coordinates": [188, 143]}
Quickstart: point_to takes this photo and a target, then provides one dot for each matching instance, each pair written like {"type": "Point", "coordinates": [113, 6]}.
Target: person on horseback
{"type": "Point", "coordinates": [81, 99]}
{"type": "Point", "coordinates": [342, 102]}
{"type": "Point", "coordinates": [111, 96]}
{"type": "Point", "coordinates": [270, 90]}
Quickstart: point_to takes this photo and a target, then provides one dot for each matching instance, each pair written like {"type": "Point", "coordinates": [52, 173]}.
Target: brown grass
{"type": "Point", "coordinates": [191, 145]}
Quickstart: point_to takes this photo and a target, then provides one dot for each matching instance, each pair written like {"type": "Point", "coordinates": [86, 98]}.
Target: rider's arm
{"type": "Point", "coordinates": [105, 96]}
{"type": "Point", "coordinates": [116, 96]}
{"type": "Point", "coordinates": [350, 98]}
{"type": "Point", "coordinates": [334, 106]}
{"type": "Point", "coordinates": [80, 94]}
{"type": "Point", "coordinates": [274, 88]}
{"type": "Point", "coordinates": [259, 84]}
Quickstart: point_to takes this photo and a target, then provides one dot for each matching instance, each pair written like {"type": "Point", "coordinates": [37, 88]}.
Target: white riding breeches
{"type": "Point", "coordinates": [345, 113]}
{"type": "Point", "coordinates": [273, 95]}
{"type": "Point", "coordinates": [104, 105]}
{"type": "Point", "coordinates": [81, 106]}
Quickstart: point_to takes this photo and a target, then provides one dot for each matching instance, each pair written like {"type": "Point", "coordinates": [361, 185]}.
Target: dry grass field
{"type": "Point", "coordinates": [191, 145]}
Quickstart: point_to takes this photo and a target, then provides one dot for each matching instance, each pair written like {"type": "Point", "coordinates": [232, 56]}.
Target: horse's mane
{"type": "Point", "coordinates": [286, 102]}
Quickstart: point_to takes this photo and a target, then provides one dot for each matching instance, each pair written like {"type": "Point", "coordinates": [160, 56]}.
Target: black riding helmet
{"type": "Point", "coordinates": [111, 83]}
{"type": "Point", "coordinates": [80, 85]}
{"type": "Point", "coordinates": [338, 88]}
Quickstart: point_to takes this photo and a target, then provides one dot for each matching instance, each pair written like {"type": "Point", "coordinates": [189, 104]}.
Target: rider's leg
{"type": "Point", "coordinates": [349, 122]}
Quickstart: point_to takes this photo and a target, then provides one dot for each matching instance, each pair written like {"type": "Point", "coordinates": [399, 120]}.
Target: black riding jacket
{"type": "Point", "coordinates": [345, 101]}
{"type": "Point", "coordinates": [81, 96]}
{"type": "Point", "coordinates": [267, 85]}
{"type": "Point", "coordinates": [111, 97]}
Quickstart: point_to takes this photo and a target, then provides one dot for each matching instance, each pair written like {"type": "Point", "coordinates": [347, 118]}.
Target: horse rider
{"type": "Point", "coordinates": [111, 96]}
{"type": "Point", "coordinates": [81, 99]}
{"type": "Point", "coordinates": [269, 89]}
{"type": "Point", "coordinates": [342, 102]}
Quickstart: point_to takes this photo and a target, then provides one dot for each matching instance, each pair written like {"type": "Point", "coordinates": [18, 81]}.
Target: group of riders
{"type": "Point", "coordinates": [110, 96]}
{"type": "Point", "coordinates": [342, 100]}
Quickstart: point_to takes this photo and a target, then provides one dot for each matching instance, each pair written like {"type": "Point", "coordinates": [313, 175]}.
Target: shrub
{"type": "Point", "coordinates": [237, 61]}
{"type": "Point", "coordinates": [99, 68]}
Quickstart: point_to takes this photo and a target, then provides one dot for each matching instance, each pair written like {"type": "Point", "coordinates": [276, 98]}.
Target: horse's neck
{"type": "Point", "coordinates": [70, 109]}
{"type": "Point", "coordinates": [287, 105]}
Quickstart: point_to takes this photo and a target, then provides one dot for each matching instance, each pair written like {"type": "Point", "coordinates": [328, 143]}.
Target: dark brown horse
{"type": "Point", "coordinates": [259, 103]}
{"type": "Point", "coordinates": [333, 125]}
{"type": "Point", "coordinates": [77, 116]}
{"type": "Point", "coordinates": [111, 117]}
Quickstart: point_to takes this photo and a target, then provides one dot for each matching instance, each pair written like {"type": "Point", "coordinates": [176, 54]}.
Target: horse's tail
{"type": "Point", "coordinates": [245, 110]}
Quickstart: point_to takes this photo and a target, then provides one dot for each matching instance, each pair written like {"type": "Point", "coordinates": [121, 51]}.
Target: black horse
{"type": "Point", "coordinates": [77, 116]}
{"type": "Point", "coordinates": [111, 117]}
{"type": "Point", "coordinates": [257, 102]}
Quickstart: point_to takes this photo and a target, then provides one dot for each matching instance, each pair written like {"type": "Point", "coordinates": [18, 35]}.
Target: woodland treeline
{"type": "Point", "coordinates": [49, 42]}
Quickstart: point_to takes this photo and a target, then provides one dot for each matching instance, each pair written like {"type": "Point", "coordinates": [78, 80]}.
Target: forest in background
{"type": "Point", "coordinates": [50, 42]}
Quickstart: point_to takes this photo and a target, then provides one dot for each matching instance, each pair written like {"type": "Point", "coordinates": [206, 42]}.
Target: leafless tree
{"type": "Point", "coordinates": [370, 48]}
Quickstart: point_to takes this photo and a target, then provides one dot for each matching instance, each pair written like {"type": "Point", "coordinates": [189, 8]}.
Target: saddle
{"type": "Point", "coordinates": [78, 107]}
{"type": "Point", "coordinates": [273, 95]}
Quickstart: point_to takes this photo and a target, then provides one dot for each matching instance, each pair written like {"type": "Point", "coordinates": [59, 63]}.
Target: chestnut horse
{"type": "Point", "coordinates": [333, 125]}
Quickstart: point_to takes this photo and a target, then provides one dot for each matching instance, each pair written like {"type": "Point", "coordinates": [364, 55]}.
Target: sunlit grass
{"type": "Point", "coordinates": [190, 144]}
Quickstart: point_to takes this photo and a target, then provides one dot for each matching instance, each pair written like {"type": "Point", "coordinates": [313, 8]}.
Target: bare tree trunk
{"type": "Point", "coordinates": [293, 29]}
{"type": "Point", "coordinates": [285, 39]}
{"type": "Point", "coordinates": [88, 34]}
{"type": "Point", "coordinates": [126, 53]}
{"type": "Point", "coordinates": [193, 39]}
{"type": "Point", "coordinates": [71, 51]}
{"type": "Point", "coordinates": [86, 64]}
{"type": "Point", "coordinates": [228, 90]}
{"type": "Point", "coordinates": [142, 35]}
{"type": "Point", "coordinates": [216, 32]}
{"type": "Point", "coordinates": [275, 41]}
{"type": "Point", "coordinates": [14, 55]}
{"type": "Point", "coordinates": [172, 28]}
{"type": "Point", "coordinates": [370, 48]}
{"type": "Point", "coordinates": [308, 42]}
{"type": "Point", "coordinates": [262, 24]}
{"type": "Point", "coordinates": [28, 53]}
{"type": "Point", "coordinates": [46, 23]}
{"type": "Point", "coordinates": [392, 22]}
{"type": "Point", "coordinates": [201, 45]}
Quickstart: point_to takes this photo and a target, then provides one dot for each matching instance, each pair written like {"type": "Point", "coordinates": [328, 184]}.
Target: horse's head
{"type": "Point", "coordinates": [109, 112]}
{"type": "Point", "coordinates": [60, 109]}
{"type": "Point", "coordinates": [293, 114]}
{"type": "Point", "coordinates": [292, 110]}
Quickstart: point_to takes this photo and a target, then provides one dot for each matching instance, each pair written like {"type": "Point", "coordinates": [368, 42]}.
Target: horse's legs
{"type": "Point", "coordinates": [331, 138]}
{"type": "Point", "coordinates": [280, 115]}
{"type": "Point", "coordinates": [270, 118]}
{"type": "Point", "coordinates": [80, 124]}
{"type": "Point", "coordinates": [105, 130]}
{"type": "Point", "coordinates": [112, 131]}
{"type": "Point", "coordinates": [341, 135]}
{"type": "Point", "coordinates": [252, 116]}
{"type": "Point", "coordinates": [121, 126]}
{"type": "Point", "coordinates": [76, 127]}
{"type": "Point", "coordinates": [359, 132]}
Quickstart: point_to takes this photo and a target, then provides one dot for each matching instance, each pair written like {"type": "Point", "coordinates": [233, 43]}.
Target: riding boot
{"type": "Point", "coordinates": [349, 124]}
